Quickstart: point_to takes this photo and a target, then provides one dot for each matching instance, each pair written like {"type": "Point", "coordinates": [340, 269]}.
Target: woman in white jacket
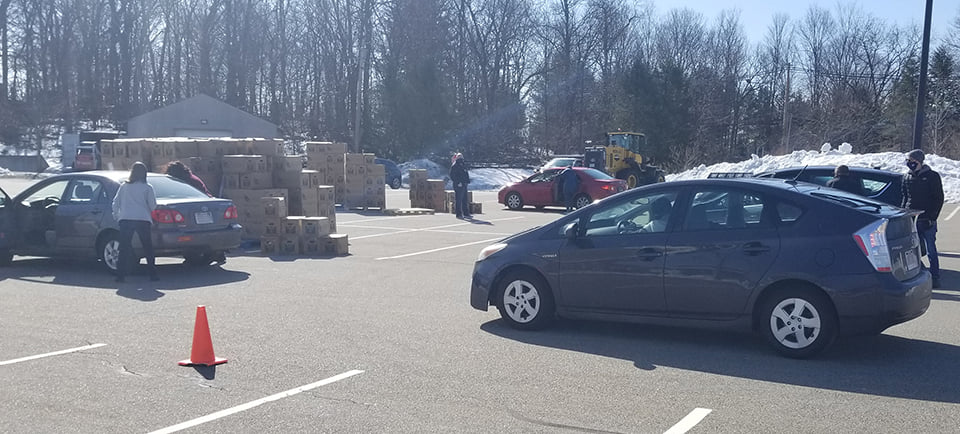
{"type": "Point", "coordinates": [133, 208]}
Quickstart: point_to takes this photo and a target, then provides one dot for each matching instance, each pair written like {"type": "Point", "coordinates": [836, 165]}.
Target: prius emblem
{"type": "Point", "coordinates": [204, 209]}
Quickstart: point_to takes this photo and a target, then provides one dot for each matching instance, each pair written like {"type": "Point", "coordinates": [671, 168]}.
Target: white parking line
{"type": "Point", "coordinates": [953, 213]}
{"type": "Point", "coordinates": [55, 353]}
{"type": "Point", "coordinates": [687, 423]}
{"type": "Point", "coordinates": [404, 231]}
{"type": "Point", "coordinates": [398, 230]}
{"type": "Point", "coordinates": [376, 219]}
{"type": "Point", "coordinates": [252, 404]}
{"type": "Point", "coordinates": [440, 249]}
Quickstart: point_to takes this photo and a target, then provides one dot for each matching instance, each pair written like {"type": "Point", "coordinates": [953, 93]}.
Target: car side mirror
{"type": "Point", "coordinates": [571, 230]}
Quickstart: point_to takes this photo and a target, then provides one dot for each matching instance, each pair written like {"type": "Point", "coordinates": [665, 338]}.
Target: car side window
{"type": "Point", "coordinates": [788, 213]}
{"type": "Point", "coordinates": [53, 190]}
{"type": "Point", "coordinates": [873, 186]}
{"type": "Point", "coordinates": [84, 191]}
{"type": "Point", "coordinates": [645, 214]}
{"type": "Point", "coordinates": [713, 209]}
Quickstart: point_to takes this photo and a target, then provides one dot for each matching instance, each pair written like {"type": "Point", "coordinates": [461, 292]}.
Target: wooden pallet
{"type": "Point", "coordinates": [408, 211]}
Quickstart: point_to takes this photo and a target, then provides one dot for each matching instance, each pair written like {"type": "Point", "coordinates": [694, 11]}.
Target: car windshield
{"type": "Point", "coordinates": [596, 174]}
{"type": "Point", "coordinates": [166, 187]}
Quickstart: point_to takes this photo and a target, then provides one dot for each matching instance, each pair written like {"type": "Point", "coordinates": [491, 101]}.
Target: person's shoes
{"type": "Point", "coordinates": [936, 282]}
{"type": "Point", "coordinates": [120, 279]}
{"type": "Point", "coordinates": [460, 217]}
{"type": "Point", "coordinates": [220, 259]}
{"type": "Point", "coordinates": [468, 216]}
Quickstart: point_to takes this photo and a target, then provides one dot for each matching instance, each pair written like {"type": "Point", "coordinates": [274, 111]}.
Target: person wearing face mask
{"type": "Point", "coordinates": [923, 191]}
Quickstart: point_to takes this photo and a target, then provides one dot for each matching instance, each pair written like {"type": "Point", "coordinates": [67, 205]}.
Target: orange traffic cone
{"type": "Point", "coordinates": [202, 351]}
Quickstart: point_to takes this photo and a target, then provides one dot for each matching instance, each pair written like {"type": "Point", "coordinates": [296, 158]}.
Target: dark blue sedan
{"type": "Point", "coordinates": [797, 262]}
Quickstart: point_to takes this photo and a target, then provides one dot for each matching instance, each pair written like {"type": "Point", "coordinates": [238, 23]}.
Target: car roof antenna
{"type": "Point", "coordinates": [795, 178]}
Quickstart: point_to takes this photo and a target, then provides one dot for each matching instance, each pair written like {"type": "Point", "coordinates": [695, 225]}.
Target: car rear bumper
{"type": "Point", "coordinates": [207, 241]}
{"type": "Point", "coordinates": [895, 302]}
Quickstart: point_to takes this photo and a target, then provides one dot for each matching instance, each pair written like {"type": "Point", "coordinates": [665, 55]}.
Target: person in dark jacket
{"type": "Point", "coordinates": [460, 178]}
{"type": "Point", "coordinates": [843, 181]}
{"type": "Point", "coordinates": [923, 191]}
{"type": "Point", "coordinates": [180, 171]}
{"type": "Point", "coordinates": [570, 183]}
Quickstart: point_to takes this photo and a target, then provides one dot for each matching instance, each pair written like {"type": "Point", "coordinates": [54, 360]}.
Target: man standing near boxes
{"type": "Point", "coordinates": [460, 178]}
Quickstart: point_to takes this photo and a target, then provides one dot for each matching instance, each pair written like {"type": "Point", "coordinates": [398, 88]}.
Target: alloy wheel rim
{"type": "Point", "coordinates": [111, 254]}
{"type": "Point", "coordinates": [795, 323]}
{"type": "Point", "coordinates": [522, 301]}
{"type": "Point", "coordinates": [513, 201]}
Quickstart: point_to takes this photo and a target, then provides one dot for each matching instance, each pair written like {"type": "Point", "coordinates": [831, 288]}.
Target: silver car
{"type": "Point", "coordinates": [71, 215]}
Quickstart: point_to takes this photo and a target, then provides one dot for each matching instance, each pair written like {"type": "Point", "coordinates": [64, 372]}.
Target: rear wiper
{"type": "Point", "coordinates": [851, 202]}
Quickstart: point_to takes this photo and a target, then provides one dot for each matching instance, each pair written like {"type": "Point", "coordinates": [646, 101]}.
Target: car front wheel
{"type": "Point", "coordinates": [395, 183]}
{"type": "Point", "coordinates": [525, 301]}
{"type": "Point", "coordinates": [109, 252]}
{"type": "Point", "coordinates": [513, 200]}
{"type": "Point", "coordinates": [799, 323]}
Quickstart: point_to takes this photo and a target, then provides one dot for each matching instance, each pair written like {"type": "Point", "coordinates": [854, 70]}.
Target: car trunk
{"type": "Point", "coordinates": [904, 246]}
{"type": "Point", "coordinates": [199, 215]}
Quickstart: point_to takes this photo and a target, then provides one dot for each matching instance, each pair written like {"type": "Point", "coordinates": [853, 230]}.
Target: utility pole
{"type": "Point", "coordinates": [786, 113]}
{"type": "Point", "coordinates": [922, 88]}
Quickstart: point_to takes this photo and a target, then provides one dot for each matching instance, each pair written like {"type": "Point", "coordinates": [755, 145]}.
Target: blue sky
{"type": "Point", "coordinates": [757, 15]}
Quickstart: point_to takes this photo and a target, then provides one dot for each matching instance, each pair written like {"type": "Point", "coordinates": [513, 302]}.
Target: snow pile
{"type": "Point", "coordinates": [480, 178]}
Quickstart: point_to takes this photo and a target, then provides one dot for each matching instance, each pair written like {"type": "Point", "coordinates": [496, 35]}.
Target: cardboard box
{"type": "Point", "coordinates": [309, 178]}
{"type": "Point", "coordinates": [271, 147]}
{"type": "Point", "coordinates": [256, 180]}
{"type": "Point", "coordinates": [335, 244]}
{"type": "Point", "coordinates": [269, 245]}
{"type": "Point", "coordinates": [326, 194]}
{"type": "Point", "coordinates": [287, 162]}
{"type": "Point", "coordinates": [185, 149]}
{"type": "Point", "coordinates": [315, 227]}
{"type": "Point", "coordinates": [272, 227]}
{"type": "Point", "coordinates": [252, 197]}
{"type": "Point", "coordinates": [212, 148]}
{"type": "Point", "coordinates": [231, 181]}
{"type": "Point", "coordinates": [291, 226]}
{"type": "Point", "coordinates": [244, 164]}
{"type": "Point", "coordinates": [289, 246]}
{"type": "Point", "coordinates": [274, 207]}
{"type": "Point", "coordinates": [311, 247]}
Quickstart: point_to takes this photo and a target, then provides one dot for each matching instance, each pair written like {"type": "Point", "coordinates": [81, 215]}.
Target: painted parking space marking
{"type": "Point", "coordinates": [397, 229]}
{"type": "Point", "coordinates": [405, 231]}
{"type": "Point", "coordinates": [243, 407]}
{"type": "Point", "coordinates": [377, 219]}
{"type": "Point", "coordinates": [55, 353]}
{"type": "Point", "coordinates": [953, 213]}
{"type": "Point", "coordinates": [690, 421]}
{"type": "Point", "coordinates": [424, 252]}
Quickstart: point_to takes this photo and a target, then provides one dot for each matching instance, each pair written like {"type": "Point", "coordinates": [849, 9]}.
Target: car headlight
{"type": "Point", "coordinates": [489, 250]}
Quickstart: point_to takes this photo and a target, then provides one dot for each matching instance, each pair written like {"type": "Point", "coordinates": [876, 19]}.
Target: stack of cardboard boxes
{"type": "Point", "coordinates": [299, 235]}
{"type": "Point", "coordinates": [364, 182]}
{"type": "Point", "coordinates": [430, 194]}
{"type": "Point", "coordinates": [327, 159]}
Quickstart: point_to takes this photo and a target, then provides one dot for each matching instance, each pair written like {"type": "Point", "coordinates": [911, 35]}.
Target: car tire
{"type": "Point", "coordinates": [6, 257]}
{"type": "Point", "coordinates": [513, 200]}
{"type": "Point", "coordinates": [525, 301]}
{"type": "Point", "coordinates": [395, 183]}
{"type": "Point", "coordinates": [581, 200]}
{"type": "Point", "coordinates": [108, 251]}
{"type": "Point", "coordinates": [798, 322]}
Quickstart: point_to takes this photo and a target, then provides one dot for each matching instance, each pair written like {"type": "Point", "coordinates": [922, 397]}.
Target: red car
{"type": "Point", "coordinates": [540, 190]}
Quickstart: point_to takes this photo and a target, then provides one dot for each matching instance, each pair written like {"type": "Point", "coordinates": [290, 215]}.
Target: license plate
{"type": "Point", "coordinates": [204, 218]}
{"type": "Point", "coordinates": [910, 258]}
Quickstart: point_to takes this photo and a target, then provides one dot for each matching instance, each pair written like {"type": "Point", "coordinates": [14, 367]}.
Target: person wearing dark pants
{"type": "Point", "coordinates": [571, 185]}
{"type": "Point", "coordinates": [923, 191]}
{"type": "Point", "coordinates": [460, 178]}
{"type": "Point", "coordinates": [133, 208]}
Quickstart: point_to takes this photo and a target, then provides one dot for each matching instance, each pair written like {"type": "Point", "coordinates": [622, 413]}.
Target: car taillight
{"type": "Point", "coordinates": [872, 240]}
{"type": "Point", "coordinates": [230, 213]}
{"type": "Point", "coordinates": [167, 216]}
{"type": "Point", "coordinates": [607, 187]}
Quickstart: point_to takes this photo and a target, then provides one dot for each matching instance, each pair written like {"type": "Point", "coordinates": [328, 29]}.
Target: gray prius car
{"type": "Point", "coordinates": [71, 215]}
{"type": "Point", "coordinates": [797, 262]}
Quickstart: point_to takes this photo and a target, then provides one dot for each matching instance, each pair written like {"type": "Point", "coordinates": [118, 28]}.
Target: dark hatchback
{"type": "Point", "coordinates": [882, 185]}
{"type": "Point", "coordinates": [71, 215]}
{"type": "Point", "coordinates": [796, 262]}
{"type": "Point", "coordinates": [392, 174]}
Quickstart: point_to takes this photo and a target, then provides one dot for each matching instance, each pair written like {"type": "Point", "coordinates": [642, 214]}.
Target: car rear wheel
{"type": "Point", "coordinates": [799, 322]}
{"type": "Point", "coordinates": [513, 200]}
{"type": "Point", "coordinates": [109, 251]}
{"type": "Point", "coordinates": [525, 301]}
{"type": "Point", "coordinates": [581, 200]}
{"type": "Point", "coordinates": [395, 183]}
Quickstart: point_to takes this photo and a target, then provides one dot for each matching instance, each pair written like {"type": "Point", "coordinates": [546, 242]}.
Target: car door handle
{"type": "Point", "coordinates": [755, 248]}
{"type": "Point", "coordinates": [649, 254]}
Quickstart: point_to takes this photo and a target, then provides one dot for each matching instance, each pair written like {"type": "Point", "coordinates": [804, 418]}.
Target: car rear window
{"type": "Point", "coordinates": [166, 187]}
{"type": "Point", "coordinates": [596, 174]}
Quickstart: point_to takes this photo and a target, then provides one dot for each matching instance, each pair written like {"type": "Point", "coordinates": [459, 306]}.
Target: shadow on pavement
{"type": "Point", "coordinates": [882, 365]}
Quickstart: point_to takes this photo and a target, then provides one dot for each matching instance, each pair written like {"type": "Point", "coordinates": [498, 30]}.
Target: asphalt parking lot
{"type": "Point", "coordinates": [384, 340]}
